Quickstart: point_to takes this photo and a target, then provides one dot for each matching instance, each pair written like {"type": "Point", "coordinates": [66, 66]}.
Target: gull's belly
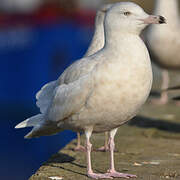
{"type": "Point", "coordinates": [116, 98]}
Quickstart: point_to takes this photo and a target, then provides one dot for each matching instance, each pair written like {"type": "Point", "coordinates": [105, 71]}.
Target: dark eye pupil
{"type": "Point", "coordinates": [127, 13]}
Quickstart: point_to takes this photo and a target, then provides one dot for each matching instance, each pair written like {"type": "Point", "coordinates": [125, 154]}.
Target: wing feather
{"type": "Point", "coordinates": [45, 95]}
{"type": "Point", "coordinates": [69, 99]}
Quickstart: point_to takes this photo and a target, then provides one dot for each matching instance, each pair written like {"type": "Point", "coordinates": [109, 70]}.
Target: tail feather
{"type": "Point", "coordinates": [44, 130]}
{"type": "Point", "coordinates": [40, 126]}
{"type": "Point", "coordinates": [33, 121]}
{"type": "Point", "coordinates": [32, 133]}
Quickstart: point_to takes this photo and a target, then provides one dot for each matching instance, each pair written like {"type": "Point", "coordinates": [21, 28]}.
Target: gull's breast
{"type": "Point", "coordinates": [120, 90]}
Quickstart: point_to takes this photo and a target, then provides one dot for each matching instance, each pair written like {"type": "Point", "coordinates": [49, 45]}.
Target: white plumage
{"type": "Point", "coordinates": [44, 96]}
{"type": "Point", "coordinates": [96, 44]}
{"type": "Point", "coordinates": [164, 42]}
{"type": "Point", "coordinates": [104, 90]}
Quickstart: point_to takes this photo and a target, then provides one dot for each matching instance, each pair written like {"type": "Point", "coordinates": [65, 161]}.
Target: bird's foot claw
{"type": "Point", "coordinates": [103, 149]}
{"type": "Point", "coordinates": [80, 148]}
{"type": "Point", "coordinates": [99, 176]}
{"type": "Point", "coordinates": [120, 175]}
{"type": "Point", "coordinates": [159, 101]}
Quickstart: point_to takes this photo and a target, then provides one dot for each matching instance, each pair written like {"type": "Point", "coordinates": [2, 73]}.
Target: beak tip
{"type": "Point", "coordinates": [162, 20]}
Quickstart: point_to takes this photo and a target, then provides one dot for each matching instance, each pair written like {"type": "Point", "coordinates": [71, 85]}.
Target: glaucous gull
{"type": "Point", "coordinates": [115, 83]}
{"type": "Point", "coordinates": [96, 44]}
{"type": "Point", "coordinates": [164, 43]}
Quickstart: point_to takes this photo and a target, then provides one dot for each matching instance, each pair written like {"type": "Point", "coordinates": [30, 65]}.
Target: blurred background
{"type": "Point", "coordinates": [38, 40]}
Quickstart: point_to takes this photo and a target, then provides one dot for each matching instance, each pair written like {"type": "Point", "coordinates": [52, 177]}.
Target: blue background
{"type": "Point", "coordinates": [31, 56]}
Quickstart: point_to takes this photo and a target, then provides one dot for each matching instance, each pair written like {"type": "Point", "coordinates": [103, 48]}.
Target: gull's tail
{"type": "Point", "coordinates": [34, 121]}
{"type": "Point", "coordinates": [30, 122]}
{"type": "Point", "coordinates": [41, 127]}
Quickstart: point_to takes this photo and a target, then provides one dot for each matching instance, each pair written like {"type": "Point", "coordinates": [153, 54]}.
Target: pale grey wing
{"type": "Point", "coordinates": [71, 74]}
{"type": "Point", "coordinates": [78, 69]}
{"type": "Point", "coordinates": [45, 95]}
{"type": "Point", "coordinates": [69, 99]}
{"type": "Point", "coordinates": [62, 78]}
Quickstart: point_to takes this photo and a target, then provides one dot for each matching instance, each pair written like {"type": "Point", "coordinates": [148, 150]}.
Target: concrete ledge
{"type": "Point", "coordinates": [149, 146]}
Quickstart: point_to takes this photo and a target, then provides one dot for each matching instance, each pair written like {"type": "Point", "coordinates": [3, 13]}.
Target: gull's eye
{"type": "Point", "coordinates": [127, 13]}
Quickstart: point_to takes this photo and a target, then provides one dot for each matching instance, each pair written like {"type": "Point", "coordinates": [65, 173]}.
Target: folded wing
{"type": "Point", "coordinates": [69, 99]}
{"type": "Point", "coordinates": [45, 95]}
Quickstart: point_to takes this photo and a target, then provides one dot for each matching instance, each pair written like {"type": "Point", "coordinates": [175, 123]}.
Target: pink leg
{"type": "Point", "coordinates": [104, 148]}
{"type": "Point", "coordinates": [165, 84]}
{"type": "Point", "coordinates": [90, 172]}
{"type": "Point", "coordinates": [112, 172]}
{"type": "Point", "coordinates": [164, 95]}
{"type": "Point", "coordinates": [79, 147]}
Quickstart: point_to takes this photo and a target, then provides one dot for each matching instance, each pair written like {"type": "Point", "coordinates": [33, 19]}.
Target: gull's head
{"type": "Point", "coordinates": [101, 13]}
{"type": "Point", "coordinates": [129, 17]}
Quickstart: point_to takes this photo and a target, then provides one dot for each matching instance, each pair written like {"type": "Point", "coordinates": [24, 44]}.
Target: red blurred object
{"type": "Point", "coordinates": [48, 14]}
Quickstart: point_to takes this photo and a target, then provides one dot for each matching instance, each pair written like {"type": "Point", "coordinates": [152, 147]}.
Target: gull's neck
{"type": "Point", "coordinates": [118, 41]}
{"type": "Point", "coordinates": [97, 41]}
{"type": "Point", "coordinates": [168, 9]}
